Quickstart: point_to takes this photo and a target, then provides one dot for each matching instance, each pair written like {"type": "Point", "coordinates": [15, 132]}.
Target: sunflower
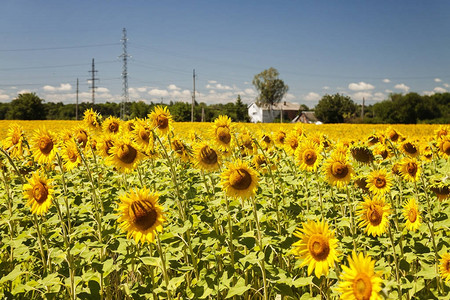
{"type": "Point", "coordinates": [92, 119]}
{"type": "Point", "coordinates": [409, 148]}
{"type": "Point", "coordinates": [262, 164]}
{"type": "Point", "coordinates": [412, 215]}
{"type": "Point", "coordinates": [206, 158]}
{"type": "Point", "coordinates": [361, 183]}
{"type": "Point", "coordinates": [43, 146]}
{"type": "Point", "coordinates": [291, 142]}
{"type": "Point", "coordinates": [444, 146]}
{"type": "Point", "coordinates": [246, 143]}
{"type": "Point", "coordinates": [181, 149]}
{"type": "Point", "coordinates": [124, 155]}
{"type": "Point", "coordinates": [280, 137]}
{"type": "Point", "coordinates": [266, 141]}
{"type": "Point", "coordinates": [222, 132]}
{"type": "Point", "coordinates": [130, 125]}
{"type": "Point", "coordinates": [442, 131]}
{"type": "Point", "coordinates": [143, 135]}
{"type": "Point", "coordinates": [379, 182]}
{"type": "Point", "coordinates": [410, 169]}
{"type": "Point", "coordinates": [426, 151]}
{"type": "Point", "coordinates": [392, 134]}
{"type": "Point", "coordinates": [15, 140]}
{"type": "Point", "coordinates": [104, 144]}
{"type": "Point", "coordinates": [70, 155]}
{"type": "Point", "coordinates": [81, 136]}
{"type": "Point", "coordinates": [341, 148]}
{"type": "Point", "coordinates": [374, 214]}
{"type": "Point", "coordinates": [441, 188]}
{"type": "Point", "coordinates": [359, 280]}
{"type": "Point", "coordinates": [382, 150]}
{"type": "Point", "coordinates": [444, 268]}
{"type": "Point", "coordinates": [239, 180]}
{"type": "Point", "coordinates": [39, 193]}
{"type": "Point", "coordinates": [140, 215]}
{"type": "Point", "coordinates": [317, 247]}
{"type": "Point", "coordinates": [373, 139]}
{"type": "Point", "coordinates": [338, 170]}
{"type": "Point", "coordinates": [362, 154]}
{"type": "Point", "coordinates": [161, 120]}
{"type": "Point", "coordinates": [112, 125]}
{"type": "Point", "coordinates": [308, 155]}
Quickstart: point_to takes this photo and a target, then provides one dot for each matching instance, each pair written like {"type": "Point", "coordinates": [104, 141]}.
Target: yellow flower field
{"type": "Point", "coordinates": [152, 209]}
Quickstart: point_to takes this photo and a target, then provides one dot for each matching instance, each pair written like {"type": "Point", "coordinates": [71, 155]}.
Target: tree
{"type": "Point", "coordinates": [241, 110]}
{"type": "Point", "coordinates": [335, 108]}
{"type": "Point", "coordinates": [27, 106]}
{"type": "Point", "coordinates": [271, 89]}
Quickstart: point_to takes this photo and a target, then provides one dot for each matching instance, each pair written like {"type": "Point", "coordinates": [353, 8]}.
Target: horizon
{"type": "Point", "coordinates": [362, 50]}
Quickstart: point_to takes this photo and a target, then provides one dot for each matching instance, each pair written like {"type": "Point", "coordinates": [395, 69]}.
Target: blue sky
{"type": "Point", "coordinates": [363, 49]}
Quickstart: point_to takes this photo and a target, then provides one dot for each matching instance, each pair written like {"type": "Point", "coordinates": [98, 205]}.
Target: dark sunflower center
{"type": "Point", "coordinates": [318, 247]}
{"type": "Point", "coordinates": [309, 157]}
{"type": "Point", "coordinates": [240, 179]}
{"type": "Point", "coordinates": [361, 183]}
{"type": "Point", "coordinates": [108, 146]}
{"type": "Point", "coordinates": [375, 215]}
{"type": "Point", "coordinates": [266, 139]}
{"type": "Point", "coordinates": [411, 168]}
{"type": "Point", "coordinates": [223, 134]}
{"type": "Point", "coordinates": [362, 154]}
{"type": "Point", "coordinates": [15, 139]}
{"type": "Point", "coordinates": [143, 215]}
{"type": "Point", "coordinates": [362, 287]}
{"type": "Point", "coordinates": [380, 182]}
{"type": "Point", "coordinates": [208, 155]}
{"type": "Point", "coordinates": [144, 135]}
{"type": "Point", "coordinates": [40, 192]}
{"type": "Point", "coordinates": [339, 170]}
{"type": "Point", "coordinates": [412, 215]}
{"type": "Point", "coordinates": [446, 147]}
{"type": "Point", "coordinates": [393, 135]}
{"type": "Point", "coordinates": [260, 160]}
{"type": "Point", "coordinates": [82, 138]}
{"type": "Point", "coordinates": [113, 127]}
{"type": "Point", "coordinates": [45, 144]}
{"type": "Point", "coordinates": [293, 144]}
{"type": "Point", "coordinates": [72, 155]}
{"type": "Point", "coordinates": [281, 137]}
{"type": "Point", "coordinates": [247, 143]}
{"type": "Point", "coordinates": [178, 146]}
{"type": "Point", "coordinates": [384, 154]}
{"type": "Point", "coordinates": [162, 121]}
{"type": "Point", "coordinates": [127, 154]}
{"type": "Point", "coordinates": [410, 148]}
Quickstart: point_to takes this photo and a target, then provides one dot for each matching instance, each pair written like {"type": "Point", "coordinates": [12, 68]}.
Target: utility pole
{"type": "Point", "coordinates": [193, 98]}
{"type": "Point", "coordinates": [362, 110]}
{"type": "Point", "coordinates": [76, 107]}
{"type": "Point", "coordinates": [93, 79]}
{"type": "Point", "coordinates": [125, 96]}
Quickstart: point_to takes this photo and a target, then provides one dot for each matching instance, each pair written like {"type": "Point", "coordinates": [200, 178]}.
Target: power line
{"type": "Point", "coordinates": [54, 66]}
{"type": "Point", "coordinates": [93, 79]}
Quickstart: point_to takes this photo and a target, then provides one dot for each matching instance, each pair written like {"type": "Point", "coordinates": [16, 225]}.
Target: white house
{"type": "Point", "coordinates": [269, 114]}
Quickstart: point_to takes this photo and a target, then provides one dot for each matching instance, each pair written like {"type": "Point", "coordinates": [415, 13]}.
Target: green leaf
{"type": "Point", "coordinates": [238, 289]}
{"type": "Point", "coordinates": [150, 261]}
{"type": "Point", "coordinates": [302, 281]}
{"type": "Point", "coordinates": [12, 275]}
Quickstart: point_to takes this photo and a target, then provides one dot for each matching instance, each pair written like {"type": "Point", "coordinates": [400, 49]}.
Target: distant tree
{"type": "Point", "coordinates": [27, 106]}
{"type": "Point", "coordinates": [139, 109]}
{"type": "Point", "coordinates": [4, 107]}
{"type": "Point", "coordinates": [180, 111]}
{"type": "Point", "coordinates": [335, 108]}
{"type": "Point", "coordinates": [241, 110]}
{"type": "Point", "coordinates": [271, 89]}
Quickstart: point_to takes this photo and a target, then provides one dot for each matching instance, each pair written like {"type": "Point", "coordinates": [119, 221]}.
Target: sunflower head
{"type": "Point", "coordinates": [81, 136]}
{"type": "Point", "coordinates": [359, 280]}
{"type": "Point", "coordinates": [181, 149]}
{"type": "Point", "coordinates": [104, 144]}
{"type": "Point", "coordinates": [291, 142]}
{"type": "Point", "coordinates": [125, 155]}
{"type": "Point", "coordinates": [409, 148]}
{"type": "Point", "coordinates": [222, 132]}
{"type": "Point", "coordinates": [361, 183]}
{"type": "Point", "coordinates": [280, 137]}
{"type": "Point", "coordinates": [362, 154]}
{"type": "Point", "coordinates": [412, 215]}
{"type": "Point", "coordinates": [373, 139]}
{"type": "Point", "coordinates": [246, 143]}
{"type": "Point", "coordinates": [444, 146]}
{"type": "Point", "coordinates": [206, 158]}
{"type": "Point", "coordinates": [379, 182]}
{"type": "Point", "coordinates": [143, 136]}
{"type": "Point", "coordinates": [92, 119]}
{"type": "Point", "coordinates": [15, 140]}
{"type": "Point", "coordinates": [392, 134]}
{"type": "Point", "coordinates": [441, 187]}
{"type": "Point", "coordinates": [39, 193]}
{"type": "Point", "coordinates": [43, 146]}
{"type": "Point", "coordinates": [374, 214]}
{"type": "Point", "coordinates": [444, 267]}
{"type": "Point", "coordinates": [410, 169]}
{"type": "Point", "coordinates": [70, 155]}
{"type": "Point", "coordinates": [239, 180]}
{"type": "Point", "coordinates": [161, 120]}
{"type": "Point", "coordinates": [112, 125]}
{"type": "Point", "coordinates": [140, 215]}
{"type": "Point", "coordinates": [338, 170]}
{"type": "Point", "coordinates": [317, 247]}
{"type": "Point", "coordinates": [442, 131]}
{"type": "Point", "coordinates": [308, 155]}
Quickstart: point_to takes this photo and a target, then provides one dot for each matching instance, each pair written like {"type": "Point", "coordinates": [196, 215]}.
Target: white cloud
{"type": "Point", "coordinates": [142, 89]}
{"type": "Point", "coordinates": [439, 89]}
{"type": "Point", "coordinates": [361, 86]}
{"type": "Point", "coordinates": [379, 96]}
{"type": "Point", "coordinates": [4, 97]}
{"type": "Point", "coordinates": [102, 90]}
{"type": "Point", "coordinates": [25, 91]}
{"type": "Point", "coordinates": [386, 80]}
{"type": "Point", "coordinates": [289, 97]}
{"type": "Point", "coordinates": [388, 91]}
{"type": "Point", "coordinates": [212, 81]}
{"type": "Point", "coordinates": [360, 95]}
{"type": "Point", "coordinates": [428, 93]}
{"type": "Point", "coordinates": [173, 87]}
{"type": "Point", "coordinates": [326, 88]}
{"type": "Point", "coordinates": [158, 93]}
{"type": "Point", "coordinates": [402, 87]}
{"type": "Point", "coordinates": [63, 87]}
{"type": "Point", "coordinates": [446, 85]}
{"type": "Point", "coordinates": [250, 92]}
{"type": "Point", "coordinates": [437, 80]}
{"type": "Point", "coordinates": [311, 96]}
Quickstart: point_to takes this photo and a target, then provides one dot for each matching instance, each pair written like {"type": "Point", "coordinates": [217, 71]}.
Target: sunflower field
{"type": "Point", "coordinates": [153, 209]}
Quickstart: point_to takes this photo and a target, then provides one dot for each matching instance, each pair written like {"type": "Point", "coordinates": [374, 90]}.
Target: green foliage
{"type": "Point", "coordinates": [27, 106]}
{"type": "Point", "coordinates": [271, 89]}
{"type": "Point", "coordinates": [335, 108]}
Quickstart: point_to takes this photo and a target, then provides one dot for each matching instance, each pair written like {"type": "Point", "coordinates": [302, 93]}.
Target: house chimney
{"type": "Point", "coordinates": [284, 103]}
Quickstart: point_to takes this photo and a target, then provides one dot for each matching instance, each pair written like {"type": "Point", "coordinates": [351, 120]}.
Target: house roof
{"type": "Point", "coordinates": [310, 116]}
{"type": "Point", "coordinates": [283, 106]}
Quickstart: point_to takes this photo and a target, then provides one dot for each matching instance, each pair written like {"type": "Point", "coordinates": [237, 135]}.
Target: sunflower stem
{"type": "Point", "coordinates": [352, 221]}
{"type": "Point", "coordinates": [261, 248]}
{"type": "Point", "coordinates": [41, 246]}
{"type": "Point", "coordinates": [230, 230]}
{"type": "Point", "coordinates": [320, 195]}
{"type": "Point", "coordinates": [397, 270]}
{"type": "Point", "coordinates": [163, 266]}
{"type": "Point", "coordinates": [11, 161]}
